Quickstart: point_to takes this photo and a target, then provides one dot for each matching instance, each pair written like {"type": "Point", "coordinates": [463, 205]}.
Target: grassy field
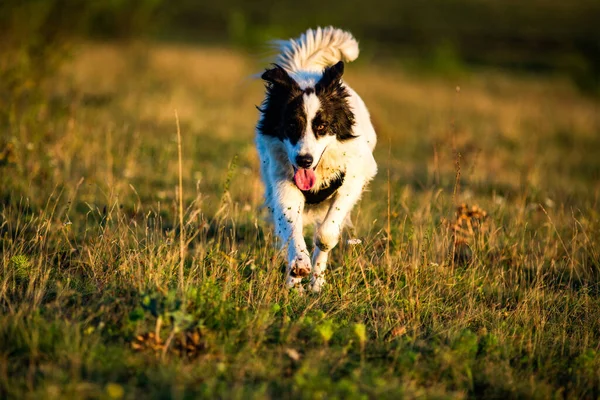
{"type": "Point", "coordinates": [89, 239]}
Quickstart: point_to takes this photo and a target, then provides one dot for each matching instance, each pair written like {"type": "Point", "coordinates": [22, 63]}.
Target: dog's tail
{"type": "Point", "coordinates": [316, 49]}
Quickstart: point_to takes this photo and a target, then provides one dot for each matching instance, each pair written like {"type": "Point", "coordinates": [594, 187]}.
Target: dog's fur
{"type": "Point", "coordinates": [310, 116]}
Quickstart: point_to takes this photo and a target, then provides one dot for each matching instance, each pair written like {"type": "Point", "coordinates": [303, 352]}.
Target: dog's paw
{"type": "Point", "coordinates": [300, 266]}
{"type": "Point", "coordinates": [294, 283]}
{"type": "Point", "coordinates": [328, 236]}
{"type": "Point", "coordinates": [317, 283]}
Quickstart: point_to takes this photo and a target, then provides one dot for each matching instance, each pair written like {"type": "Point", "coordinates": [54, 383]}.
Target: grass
{"type": "Point", "coordinates": [90, 230]}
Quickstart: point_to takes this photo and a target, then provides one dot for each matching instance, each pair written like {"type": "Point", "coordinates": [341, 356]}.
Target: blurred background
{"type": "Point", "coordinates": [443, 36]}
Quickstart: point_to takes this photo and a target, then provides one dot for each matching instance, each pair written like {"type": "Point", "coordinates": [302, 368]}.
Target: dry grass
{"type": "Point", "coordinates": [90, 240]}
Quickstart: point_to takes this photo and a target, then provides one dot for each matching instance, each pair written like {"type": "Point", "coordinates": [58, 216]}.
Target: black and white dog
{"type": "Point", "coordinates": [315, 141]}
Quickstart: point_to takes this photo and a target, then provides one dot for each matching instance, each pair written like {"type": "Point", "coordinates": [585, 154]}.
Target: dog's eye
{"type": "Point", "coordinates": [321, 126]}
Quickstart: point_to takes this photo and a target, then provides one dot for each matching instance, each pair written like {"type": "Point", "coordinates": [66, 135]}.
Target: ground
{"type": "Point", "coordinates": [498, 299]}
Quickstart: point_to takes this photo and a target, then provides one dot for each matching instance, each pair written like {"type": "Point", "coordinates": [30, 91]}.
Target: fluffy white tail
{"type": "Point", "coordinates": [317, 49]}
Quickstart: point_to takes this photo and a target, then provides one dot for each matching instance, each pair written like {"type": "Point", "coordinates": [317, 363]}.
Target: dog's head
{"type": "Point", "coordinates": [306, 120]}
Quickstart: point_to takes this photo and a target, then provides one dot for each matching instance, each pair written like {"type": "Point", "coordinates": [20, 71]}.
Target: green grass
{"type": "Point", "coordinates": [89, 236]}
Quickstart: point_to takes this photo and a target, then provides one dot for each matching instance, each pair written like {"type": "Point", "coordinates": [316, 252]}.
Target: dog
{"type": "Point", "coordinates": [315, 143]}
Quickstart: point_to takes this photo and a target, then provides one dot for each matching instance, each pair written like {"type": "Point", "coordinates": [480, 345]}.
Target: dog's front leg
{"type": "Point", "coordinates": [287, 212]}
{"type": "Point", "coordinates": [328, 233]}
{"type": "Point", "coordinates": [319, 262]}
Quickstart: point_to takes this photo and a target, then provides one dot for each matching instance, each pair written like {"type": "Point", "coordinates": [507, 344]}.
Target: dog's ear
{"type": "Point", "coordinates": [331, 76]}
{"type": "Point", "coordinates": [277, 76]}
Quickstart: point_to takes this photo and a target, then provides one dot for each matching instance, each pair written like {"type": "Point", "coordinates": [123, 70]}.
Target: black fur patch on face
{"type": "Point", "coordinates": [283, 114]}
{"type": "Point", "coordinates": [282, 111]}
{"type": "Point", "coordinates": [294, 120]}
{"type": "Point", "coordinates": [335, 113]}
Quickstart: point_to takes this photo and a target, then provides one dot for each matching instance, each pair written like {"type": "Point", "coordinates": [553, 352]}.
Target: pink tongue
{"type": "Point", "coordinates": [305, 178]}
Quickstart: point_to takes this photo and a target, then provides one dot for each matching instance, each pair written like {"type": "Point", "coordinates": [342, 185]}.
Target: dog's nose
{"type": "Point", "coordinates": [304, 161]}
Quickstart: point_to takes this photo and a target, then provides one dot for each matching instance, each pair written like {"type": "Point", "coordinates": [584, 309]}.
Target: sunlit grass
{"type": "Point", "coordinates": [90, 240]}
